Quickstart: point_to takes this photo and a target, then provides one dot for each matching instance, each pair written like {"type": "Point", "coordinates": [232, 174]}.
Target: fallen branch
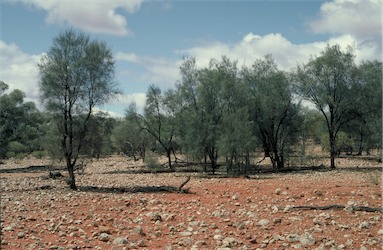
{"type": "Point", "coordinates": [340, 207]}
{"type": "Point", "coordinates": [183, 184]}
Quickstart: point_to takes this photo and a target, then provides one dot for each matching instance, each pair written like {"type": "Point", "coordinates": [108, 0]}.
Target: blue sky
{"type": "Point", "coordinates": [150, 38]}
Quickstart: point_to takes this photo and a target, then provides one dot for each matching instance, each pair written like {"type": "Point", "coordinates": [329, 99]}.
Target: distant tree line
{"type": "Point", "coordinates": [217, 115]}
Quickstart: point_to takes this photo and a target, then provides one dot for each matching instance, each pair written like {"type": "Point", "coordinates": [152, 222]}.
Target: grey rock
{"type": "Point", "coordinates": [218, 237]}
{"type": "Point", "coordinates": [141, 243]}
{"type": "Point", "coordinates": [20, 235]}
{"type": "Point", "coordinates": [263, 222]}
{"type": "Point", "coordinates": [200, 243]}
{"type": "Point", "coordinates": [186, 233]}
{"type": "Point", "coordinates": [8, 228]}
{"type": "Point", "coordinates": [138, 230]}
{"type": "Point", "coordinates": [292, 238]}
{"type": "Point", "coordinates": [120, 241]}
{"type": "Point", "coordinates": [307, 240]}
{"type": "Point", "coordinates": [364, 225]}
{"type": "Point", "coordinates": [220, 213]}
{"type": "Point", "coordinates": [230, 242]}
{"type": "Point", "coordinates": [104, 237]}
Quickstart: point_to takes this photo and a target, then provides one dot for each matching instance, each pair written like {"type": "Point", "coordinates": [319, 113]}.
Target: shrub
{"type": "Point", "coordinates": [151, 162]}
{"type": "Point", "coordinates": [39, 154]}
{"type": "Point", "coordinates": [16, 147]}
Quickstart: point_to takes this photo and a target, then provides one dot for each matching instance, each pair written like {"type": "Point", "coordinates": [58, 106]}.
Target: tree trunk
{"type": "Point", "coordinates": [360, 150]}
{"type": "Point", "coordinates": [168, 154]}
{"type": "Point", "coordinates": [332, 150]}
{"type": "Point", "coordinates": [213, 159]}
{"type": "Point", "coordinates": [72, 180]}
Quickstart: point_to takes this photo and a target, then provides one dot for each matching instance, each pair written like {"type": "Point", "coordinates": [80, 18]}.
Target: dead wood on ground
{"type": "Point", "coordinates": [340, 207]}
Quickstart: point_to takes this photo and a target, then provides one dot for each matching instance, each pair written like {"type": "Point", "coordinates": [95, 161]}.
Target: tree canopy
{"type": "Point", "coordinates": [76, 75]}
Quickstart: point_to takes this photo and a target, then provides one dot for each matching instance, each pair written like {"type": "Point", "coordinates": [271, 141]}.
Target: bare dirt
{"type": "Point", "coordinates": [250, 212]}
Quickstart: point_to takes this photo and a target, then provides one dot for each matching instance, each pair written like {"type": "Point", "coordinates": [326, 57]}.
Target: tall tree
{"type": "Point", "coordinates": [366, 129]}
{"type": "Point", "coordinates": [212, 110]}
{"type": "Point", "coordinates": [128, 136]}
{"type": "Point", "coordinates": [20, 122]}
{"type": "Point", "coordinates": [76, 75]}
{"type": "Point", "coordinates": [327, 81]}
{"type": "Point", "coordinates": [236, 138]}
{"type": "Point", "coordinates": [189, 118]}
{"type": "Point", "coordinates": [274, 114]}
{"type": "Point", "coordinates": [159, 119]}
{"type": "Point", "coordinates": [98, 142]}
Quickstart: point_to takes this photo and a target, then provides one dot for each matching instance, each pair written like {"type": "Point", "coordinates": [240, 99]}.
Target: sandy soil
{"type": "Point", "coordinates": [219, 213]}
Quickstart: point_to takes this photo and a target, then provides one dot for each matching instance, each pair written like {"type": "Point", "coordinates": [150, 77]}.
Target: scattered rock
{"type": "Point", "coordinates": [138, 230]}
{"type": "Point", "coordinates": [8, 228]}
{"type": "Point", "coordinates": [120, 241]}
{"type": "Point", "coordinates": [307, 240]}
{"type": "Point", "coordinates": [263, 223]}
{"type": "Point", "coordinates": [318, 192]}
{"type": "Point", "coordinates": [277, 220]}
{"type": "Point", "coordinates": [278, 191]}
{"type": "Point", "coordinates": [104, 229]}
{"type": "Point", "coordinates": [230, 242]}
{"type": "Point", "coordinates": [186, 233]}
{"type": "Point", "coordinates": [218, 237]}
{"type": "Point", "coordinates": [20, 235]}
{"type": "Point", "coordinates": [364, 225]}
{"type": "Point", "coordinates": [200, 243]}
{"type": "Point", "coordinates": [104, 237]}
{"type": "Point", "coordinates": [292, 237]}
{"type": "Point", "coordinates": [141, 243]}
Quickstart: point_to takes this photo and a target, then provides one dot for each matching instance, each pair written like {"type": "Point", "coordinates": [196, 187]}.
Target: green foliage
{"type": "Point", "coordinates": [328, 82]}
{"type": "Point", "coordinates": [17, 147]}
{"type": "Point", "coordinates": [216, 112]}
{"type": "Point", "coordinates": [276, 117]}
{"type": "Point", "coordinates": [152, 163]}
{"type": "Point", "coordinates": [159, 119]}
{"type": "Point", "coordinates": [39, 154]}
{"type": "Point", "coordinates": [343, 143]}
{"type": "Point", "coordinates": [97, 142]}
{"type": "Point", "coordinates": [128, 136]}
{"type": "Point", "coordinates": [20, 123]}
{"type": "Point", "coordinates": [77, 75]}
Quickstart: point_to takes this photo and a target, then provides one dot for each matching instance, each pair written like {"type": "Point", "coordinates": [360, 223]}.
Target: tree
{"type": "Point", "coordinates": [211, 109]}
{"type": "Point", "coordinates": [367, 92]}
{"type": "Point", "coordinates": [327, 81]}
{"type": "Point", "coordinates": [98, 142]}
{"type": "Point", "coordinates": [20, 123]}
{"type": "Point", "coordinates": [274, 114]}
{"type": "Point", "coordinates": [189, 118]}
{"type": "Point", "coordinates": [159, 119]}
{"type": "Point", "coordinates": [128, 136]}
{"type": "Point", "coordinates": [76, 75]}
{"type": "Point", "coordinates": [236, 138]}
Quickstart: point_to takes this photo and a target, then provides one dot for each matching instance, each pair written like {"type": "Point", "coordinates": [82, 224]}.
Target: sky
{"type": "Point", "coordinates": [150, 38]}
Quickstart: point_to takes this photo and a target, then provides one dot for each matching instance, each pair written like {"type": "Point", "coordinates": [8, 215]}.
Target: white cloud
{"type": "Point", "coordinates": [93, 16]}
{"type": "Point", "coordinates": [253, 47]}
{"type": "Point", "coordinates": [286, 54]}
{"type": "Point", "coordinates": [129, 57]}
{"type": "Point", "coordinates": [127, 99]}
{"type": "Point", "coordinates": [159, 71]}
{"type": "Point", "coordinates": [19, 70]}
{"type": "Point", "coordinates": [360, 19]}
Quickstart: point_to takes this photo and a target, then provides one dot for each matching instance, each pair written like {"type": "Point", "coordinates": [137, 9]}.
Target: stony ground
{"type": "Point", "coordinates": [219, 213]}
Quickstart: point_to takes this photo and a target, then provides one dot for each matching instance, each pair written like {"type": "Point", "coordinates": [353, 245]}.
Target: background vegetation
{"type": "Point", "coordinates": [221, 115]}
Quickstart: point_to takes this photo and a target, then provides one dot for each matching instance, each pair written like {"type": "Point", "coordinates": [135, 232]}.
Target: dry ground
{"type": "Point", "coordinates": [219, 213]}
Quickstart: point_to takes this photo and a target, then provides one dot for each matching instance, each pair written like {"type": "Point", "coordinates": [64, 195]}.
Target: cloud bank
{"type": "Point", "coordinates": [19, 70]}
{"type": "Point", "coordinates": [348, 22]}
{"type": "Point", "coordinates": [91, 16]}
